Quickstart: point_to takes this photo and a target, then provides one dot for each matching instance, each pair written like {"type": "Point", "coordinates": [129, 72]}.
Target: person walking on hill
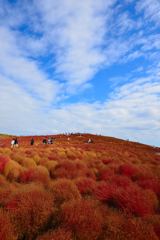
{"type": "Point", "coordinates": [16, 142]}
{"type": "Point", "coordinates": [90, 140]}
{"type": "Point", "coordinates": [44, 141]}
{"type": "Point", "coordinates": [49, 140]}
{"type": "Point", "coordinates": [32, 142]}
{"type": "Point", "coordinates": [12, 143]}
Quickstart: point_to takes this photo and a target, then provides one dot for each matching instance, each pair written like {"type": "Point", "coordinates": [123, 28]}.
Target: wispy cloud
{"type": "Point", "coordinates": [76, 31]}
{"type": "Point", "coordinates": [22, 70]}
{"type": "Point", "coordinates": [151, 10]}
{"type": "Point", "coordinates": [19, 111]}
{"type": "Point", "coordinates": [132, 111]}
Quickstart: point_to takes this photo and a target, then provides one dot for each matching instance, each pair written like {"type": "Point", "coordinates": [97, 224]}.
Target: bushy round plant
{"type": "Point", "coordinates": [30, 211]}
{"type": "Point", "coordinates": [64, 190]}
{"type": "Point", "coordinates": [6, 228]}
{"type": "Point", "coordinates": [83, 218]}
{"type": "Point", "coordinates": [59, 234]}
{"type": "Point", "coordinates": [85, 185]}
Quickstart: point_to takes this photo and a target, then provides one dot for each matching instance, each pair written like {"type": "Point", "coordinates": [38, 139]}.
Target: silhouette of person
{"type": "Point", "coordinates": [16, 142]}
{"type": "Point", "coordinates": [32, 141]}
{"type": "Point", "coordinates": [44, 141]}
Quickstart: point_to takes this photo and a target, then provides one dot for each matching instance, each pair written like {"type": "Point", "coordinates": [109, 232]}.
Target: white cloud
{"type": "Point", "coordinates": [81, 36]}
{"type": "Point", "coordinates": [76, 31]}
{"type": "Point", "coordinates": [151, 9]}
{"type": "Point", "coordinates": [131, 112]}
{"type": "Point", "coordinates": [19, 111]}
{"type": "Point", "coordinates": [22, 70]}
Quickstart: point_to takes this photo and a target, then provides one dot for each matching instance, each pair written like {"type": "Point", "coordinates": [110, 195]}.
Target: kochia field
{"type": "Point", "coordinates": [74, 190]}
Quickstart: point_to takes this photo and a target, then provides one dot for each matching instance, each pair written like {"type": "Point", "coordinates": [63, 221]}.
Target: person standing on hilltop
{"type": "Point", "coordinates": [52, 140]}
{"type": "Point", "coordinates": [90, 140]}
{"type": "Point", "coordinates": [44, 141]}
{"type": "Point", "coordinates": [32, 142]}
{"type": "Point", "coordinates": [12, 143]}
{"type": "Point", "coordinates": [16, 142]}
{"type": "Point", "coordinates": [49, 140]}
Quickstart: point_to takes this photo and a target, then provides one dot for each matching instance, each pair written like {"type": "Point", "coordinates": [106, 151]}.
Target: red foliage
{"type": "Point", "coordinates": [123, 227]}
{"type": "Point", "coordinates": [59, 234]}
{"type": "Point", "coordinates": [106, 174]}
{"type": "Point", "coordinates": [117, 177]}
{"type": "Point", "coordinates": [85, 185]}
{"type": "Point", "coordinates": [28, 152]}
{"type": "Point", "coordinates": [152, 183]}
{"type": "Point", "coordinates": [83, 218]}
{"type": "Point", "coordinates": [28, 212]}
{"type": "Point", "coordinates": [105, 191]}
{"type": "Point", "coordinates": [157, 230]}
{"type": "Point", "coordinates": [135, 200]}
{"type": "Point", "coordinates": [6, 227]}
{"type": "Point", "coordinates": [107, 161]}
{"type": "Point", "coordinates": [121, 181]}
{"type": "Point", "coordinates": [27, 176]}
{"type": "Point", "coordinates": [64, 190]}
{"type": "Point", "coordinates": [131, 198]}
{"type": "Point", "coordinates": [4, 195]}
{"type": "Point", "coordinates": [3, 161]}
{"type": "Point", "coordinates": [137, 229]}
{"type": "Point", "coordinates": [35, 174]}
{"type": "Point", "coordinates": [154, 220]}
{"type": "Point", "coordinates": [128, 170]}
{"type": "Point", "coordinates": [3, 181]}
{"type": "Point", "coordinates": [70, 169]}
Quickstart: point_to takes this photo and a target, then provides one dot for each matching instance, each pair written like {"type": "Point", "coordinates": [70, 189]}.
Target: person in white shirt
{"type": "Point", "coordinates": [12, 143]}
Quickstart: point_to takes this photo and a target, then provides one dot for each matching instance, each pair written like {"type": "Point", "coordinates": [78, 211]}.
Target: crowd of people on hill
{"type": "Point", "coordinates": [49, 140]}
{"type": "Point", "coordinates": [15, 143]}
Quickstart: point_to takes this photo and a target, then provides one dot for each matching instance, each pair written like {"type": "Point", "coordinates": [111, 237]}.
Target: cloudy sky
{"type": "Point", "coordinates": [81, 66]}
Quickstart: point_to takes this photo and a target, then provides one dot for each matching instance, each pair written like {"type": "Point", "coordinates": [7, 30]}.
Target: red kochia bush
{"type": "Point", "coordinates": [3, 181]}
{"type": "Point", "coordinates": [4, 195]}
{"type": "Point", "coordinates": [64, 190]}
{"type": "Point", "coordinates": [107, 161]}
{"type": "Point", "coordinates": [3, 161]}
{"type": "Point", "coordinates": [6, 227]}
{"type": "Point", "coordinates": [140, 230]}
{"type": "Point", "coordinates": [37, 174]}
{"type": "Point", "coordinates": [30, 211]}
{"type": "Point", "coordinates": [152, 183]}
{"type": "Point", "coordinates": [128, 170]}
{"type": "Point", "coordinates": [70, 170]}
{"type": "Point", "coordinates": [85, 185]}
{"type": "Point", "coordinates": [121, 181]}
{"type": "Point", "coordinates": [59, 234]}
{"type": "Point", "coordinates": [131, 198]}
{"type": "Point", "coordinates": [136, 229]}
{"type": "Point", "coordinates": [123, 227]}
{"type": "Point", "coordinates": [154, 220]}
{"type": "Point", "coordinates": [83, 218]}
{"type": "Point", "coordinates": [106, 174]}
{"type": "Point", "coordinates": [105, 191]}
{"type": "Point", "coordinates": [135, 200]}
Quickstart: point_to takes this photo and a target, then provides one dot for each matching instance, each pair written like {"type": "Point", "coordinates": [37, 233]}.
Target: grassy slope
{"type": "Point", "coordinates": [112, 180]}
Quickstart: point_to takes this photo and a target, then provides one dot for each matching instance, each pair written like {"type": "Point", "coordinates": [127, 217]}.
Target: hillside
{"type": "Point", "coordinates": [74, 190]}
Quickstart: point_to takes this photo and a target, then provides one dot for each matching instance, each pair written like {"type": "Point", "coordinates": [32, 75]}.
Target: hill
{"type": "Point", "coordinates": [74, 190]}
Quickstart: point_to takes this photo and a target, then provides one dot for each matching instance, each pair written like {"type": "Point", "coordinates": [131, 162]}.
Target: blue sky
{"type": "Point", "coordinates": [81, 66]}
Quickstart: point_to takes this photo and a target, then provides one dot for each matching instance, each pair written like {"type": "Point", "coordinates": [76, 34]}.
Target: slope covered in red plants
{"type": "Point", "coordinates": [74, 190]}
